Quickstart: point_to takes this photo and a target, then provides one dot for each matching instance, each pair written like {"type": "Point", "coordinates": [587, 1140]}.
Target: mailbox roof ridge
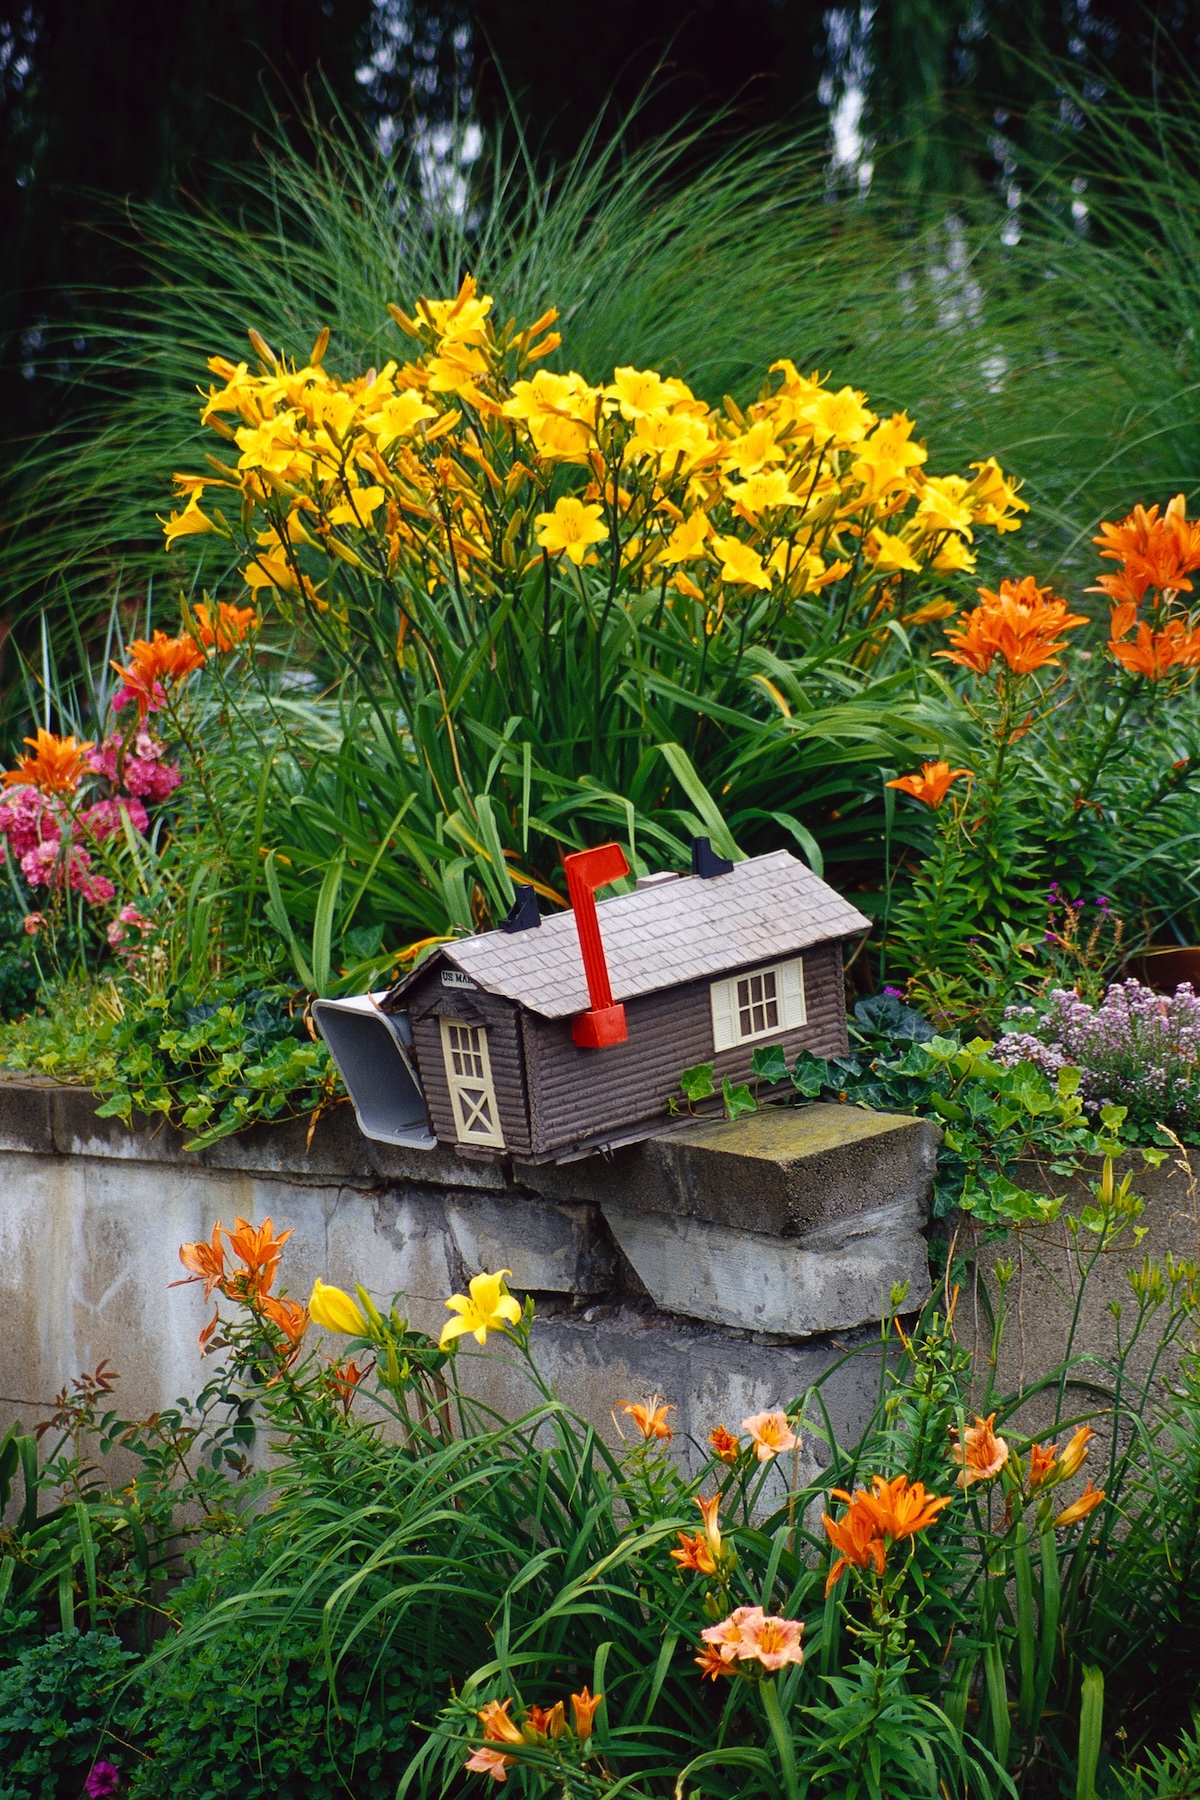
{"type": "Point", "coordinates": [658, 937]}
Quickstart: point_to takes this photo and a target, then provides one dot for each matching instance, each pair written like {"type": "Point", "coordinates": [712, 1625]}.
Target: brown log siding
{"type": "Point", "coordinates": [580, 1096]}
{"type": "Point", "coordinates": [428, 1003]}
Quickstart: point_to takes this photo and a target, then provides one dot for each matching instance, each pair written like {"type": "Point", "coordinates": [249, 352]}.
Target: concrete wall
{"type": "Point", "coordinates": [644, 1282]}
{"type": "Point", "coordinates": [725, 1267]}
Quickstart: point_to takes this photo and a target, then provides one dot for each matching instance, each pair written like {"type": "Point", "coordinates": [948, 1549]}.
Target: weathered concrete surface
{"type": "Point", "coordinates": [840, 1274]}
{"type": "Point", "coordinates": [92, 1216]}
{"type": "Point", "coordinates": [779, 1171]}
{"type": "Point", "coordinates": [1046, 1291]}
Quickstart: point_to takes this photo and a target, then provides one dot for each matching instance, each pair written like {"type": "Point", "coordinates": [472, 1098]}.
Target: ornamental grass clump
{"type": "Point", "coordinates": [1137, 1049]}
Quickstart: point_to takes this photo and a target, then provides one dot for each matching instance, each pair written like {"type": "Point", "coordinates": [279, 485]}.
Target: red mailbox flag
{"type": "Point", "coordinates": [586, 871]}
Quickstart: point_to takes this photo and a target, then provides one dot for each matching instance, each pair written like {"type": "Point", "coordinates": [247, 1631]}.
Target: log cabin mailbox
{"type": "Point", "coordinates": [553, 1037]}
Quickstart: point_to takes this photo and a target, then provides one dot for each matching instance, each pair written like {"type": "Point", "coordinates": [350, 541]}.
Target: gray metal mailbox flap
{"type": "Point", "coordinates": [371, 1054]}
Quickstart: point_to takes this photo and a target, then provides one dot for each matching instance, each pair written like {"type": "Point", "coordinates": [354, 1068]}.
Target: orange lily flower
{"type": "Point", "coordinates": [206, 1262]}
{"type": "Point", "coordinates": [712, 1528]}
{"type": "Point", "coordinates": [229, 627]}
{"type": "Point", "coordinates": [694, 1553]}
{"type": "Point", "coordinates": [981, 1453]}
{"type": "Point", "coordinates": [855, 1534]}
{"type": "Point", "coordinates": [1153, 654]}
{"type": "Point", "coordinates": [583, 1706]}
{"type": "Point", "coordinates": [1021, 624]}
{"type": "Point", "coordinates": [155, 663]}
{"type": "Point", "coordinates": [1079, 1509]}
{"type": "Point", "coordinates": [1156, 552]}
{"type": "Point", "coordinates": [650, 1419]}
{"type": "Point", "coordinates": [56, 767]}
{"type": "Point", "coordinates": [932, 784]}
{"type": "Point", "coordinates": [260, 1250]}
{"type": "Point", "coordinates": [725, 1447]}
{"type": "Point", "coordinates": [291, 1318]}
{"type": "Point", "coordinates": [343, 1378]}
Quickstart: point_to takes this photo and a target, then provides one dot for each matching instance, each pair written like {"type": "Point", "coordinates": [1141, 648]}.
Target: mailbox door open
{"type": "Point", "coordinates": [372, 1053]}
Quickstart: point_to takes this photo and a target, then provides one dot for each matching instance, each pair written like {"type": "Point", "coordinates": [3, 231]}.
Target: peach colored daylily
{"type": "Point", "coordinates": [981, 1453]}
{"type": "Point", "coordinates": [770, 1433]}
{"type": "Point", "coordinates": [771, 1641]}
{"type": "Point", "coordinates": [490, 1762]}
{"type": "Point", "coordinates": [498, 1728]}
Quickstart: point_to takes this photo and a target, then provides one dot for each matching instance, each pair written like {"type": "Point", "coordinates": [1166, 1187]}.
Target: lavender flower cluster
{"type": "Point", "coordinates": [1138, 1049]}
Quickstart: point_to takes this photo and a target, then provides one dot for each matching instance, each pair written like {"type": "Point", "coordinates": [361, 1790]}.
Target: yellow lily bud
{"type": "Point", "coordinates": [1072, 1457]}
{"type": "Point", "coordinates": [333, 1310]}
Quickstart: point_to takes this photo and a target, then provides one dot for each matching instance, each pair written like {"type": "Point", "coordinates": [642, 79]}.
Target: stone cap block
{"type": "Point", "coordinates": [779, 1171]}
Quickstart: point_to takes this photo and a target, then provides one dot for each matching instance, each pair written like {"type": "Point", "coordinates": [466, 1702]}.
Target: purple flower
{"type": "Point", "coordinates": [893, 993]}
{"type": "Point", "coordinates": [102, 1781]}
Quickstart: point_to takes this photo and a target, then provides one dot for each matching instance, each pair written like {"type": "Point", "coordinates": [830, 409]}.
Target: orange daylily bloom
{"type": "Point", "coordinates": [932, 784]}
{"type": "Point", "coordinates": [498, 1728]}
{"type": "Point", "coordinates": [694, 1553]}
{"type": "Point", "coordinates": [981, 1453]}
{"type": "Point", "coordinates": [1079, 1509]}
{"type": "Point", "coordinates": [584, 1706]}
{"type": "Point", "coordinates": [343, 1378]}
{"type": "Point", "coordinates": [712, 1664]}
{"type": "Point", "coordinates": [770, 1433]}
{"type": "Point", "coordinates": [855, 1534]}
{"type": "Point", "coordinates": [712, 1529]}
{"type": "Point", "coordinates": [56, 767]}
{"type": "Point", "coordinates": [1073, 1456]}
{"type": "Point", "coordinates": [1021, 624]}
{"type": "Point", "coordinates": [899, 1507]}
{"type": "Point", "coordinates": [1042, 1458]}
{"type": "Point", "coordinates": [490, 1762]}
{"type": "Point", "coordinates": [725, 1447]}
{"type": "Point", "coordinates": [228, 628]}
{"type": "Point", "coordinates": [152, 665]}
{"type": "Point", "coordinates": [650, 1419]}
{"type": "Point", "coordinates": [551, 1724]}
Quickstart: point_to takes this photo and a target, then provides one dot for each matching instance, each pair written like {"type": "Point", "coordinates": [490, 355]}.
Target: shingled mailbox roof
{"type": "Point", "coordinates": [660, 936]}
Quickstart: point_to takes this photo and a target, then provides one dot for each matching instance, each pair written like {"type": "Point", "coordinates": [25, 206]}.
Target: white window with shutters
{"type": "Point", "coordinates": [760, 1004]}
{"type": "Point", "coordinates": [469, 1074]}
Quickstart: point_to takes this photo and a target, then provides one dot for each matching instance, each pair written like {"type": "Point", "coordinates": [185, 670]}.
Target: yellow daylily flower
{"type": "Point", "coordinates": [841, 415]}
{"type": "Point", "coordinates": [757, 492]}
{"type": "Point", "coordinates": [892, 553]}
{"type": "Point", "coordinates": [572, 527]}
{"type": "Point", "coordinates": [187, 523]}
{"type": "Point", "coordinates": [739, 563]}
{"type": "Point", "coordinates": [488, 1306]}
{"type": "Point", "coordinates": [638, 392]}
{"type": "Point", "coordinates": [334, 1310]}
{"type": "Point", "coordinates": [687, 540]}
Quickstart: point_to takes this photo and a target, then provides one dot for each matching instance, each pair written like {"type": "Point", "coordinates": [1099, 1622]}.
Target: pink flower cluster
{"type": "Point", "coordinates": [146, 774]}
{"type": "Point", "coordinates": [47, 838]}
